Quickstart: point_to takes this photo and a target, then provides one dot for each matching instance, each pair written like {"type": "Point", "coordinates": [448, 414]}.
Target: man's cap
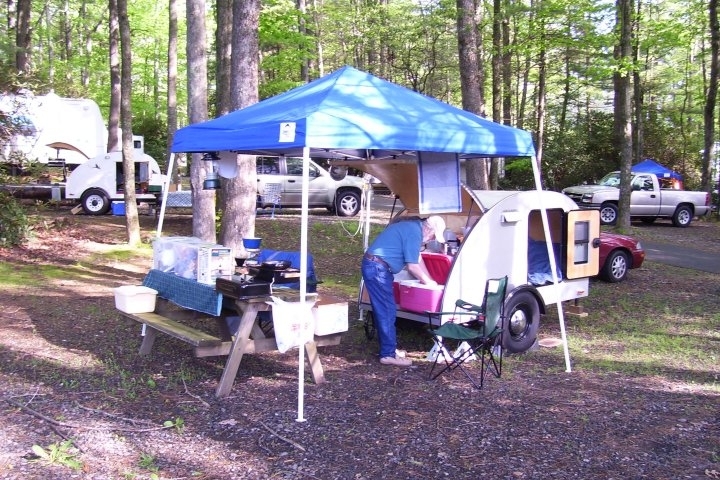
{"type": "Point", "coordinates": [438, 226]}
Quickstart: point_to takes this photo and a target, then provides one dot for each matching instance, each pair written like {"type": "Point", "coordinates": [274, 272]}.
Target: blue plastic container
{"type": "Point", "coordinates": [118, 208]}
{"type": "Point", "coordinates": [251, 243]}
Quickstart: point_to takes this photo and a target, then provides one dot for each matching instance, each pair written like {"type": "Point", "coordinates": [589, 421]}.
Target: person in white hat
{"type": "Point", "coordinates": [395, 248]}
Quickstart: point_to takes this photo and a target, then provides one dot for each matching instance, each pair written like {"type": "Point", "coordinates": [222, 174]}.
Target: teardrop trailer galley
{"type": "Point", "coordinates": [502, 234]}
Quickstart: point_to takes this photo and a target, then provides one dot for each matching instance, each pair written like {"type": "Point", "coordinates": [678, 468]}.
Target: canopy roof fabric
{"type": "Point", "coordinates": [350, 113]}
{"type": "Point", "coordinates": [650, 166]}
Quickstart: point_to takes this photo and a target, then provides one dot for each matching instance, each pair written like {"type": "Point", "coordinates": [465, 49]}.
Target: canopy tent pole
{"type": "Point", "coordinates": [303, 278]}
{"type": "Point", "coordinates": [553, 264]}
{"type": "Point", "coordinates": [165, 188]}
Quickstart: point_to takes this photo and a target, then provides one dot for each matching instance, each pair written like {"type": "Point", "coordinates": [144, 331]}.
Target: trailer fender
{"type": "Point", "coordinates": [523, 307]}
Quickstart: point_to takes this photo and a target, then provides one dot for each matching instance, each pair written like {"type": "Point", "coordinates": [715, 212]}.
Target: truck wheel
{"type": "Point", "coordinates": [522, 320]}
{"type": "Point", "coordinates": [616, 267]}
{"type": "Point", "coordinates": [347, 203]}
{"type": "Point", "coordinates": [95, 202]}
{"type": "Point", "coordinates": [608, 214]}
{"type": "Point", "coordinates": [683, 216]}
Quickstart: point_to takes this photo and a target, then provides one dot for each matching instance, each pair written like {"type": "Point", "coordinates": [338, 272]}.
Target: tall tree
{"type": "Point", "coordinates": [203, 201]}
{"type": "Point", "coordinates": [240, 193]}
{"type": "Point", "coordinates": [172, 72]}
{"type": "Point", "coordinates": [23, 35]}
{"type": "Point", "coordinates": [623, 104]}
{"type": "Point", "coordinates": [113, 143]}
{"type": "Point", "coordinates": [472, 100]}
{"type": "Point", "coordinates": [223, 53]}
{"type": "Point", "coordinates": [711, 98]}
{"type": "Point", "coordinates": [132, 223]}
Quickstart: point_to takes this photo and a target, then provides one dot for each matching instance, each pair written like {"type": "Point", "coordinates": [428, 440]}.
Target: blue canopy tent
{"type": "Point", "coordinates": [351, 114]}
{"type": "Point", "coordinates": [650, 166]}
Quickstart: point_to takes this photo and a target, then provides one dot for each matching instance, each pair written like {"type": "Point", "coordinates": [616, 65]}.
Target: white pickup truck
{"type": "Point", "coordinates": [648, 201]}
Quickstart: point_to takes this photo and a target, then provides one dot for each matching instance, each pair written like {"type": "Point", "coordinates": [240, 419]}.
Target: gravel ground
{"type": "Point", "coordinates": [69, 371]}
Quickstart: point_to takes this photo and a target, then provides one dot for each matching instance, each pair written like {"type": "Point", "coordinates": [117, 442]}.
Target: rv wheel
{"type": "Point", "coordinates": [522, 319]}
{"type": "Point", "coordinates": [95, 202]}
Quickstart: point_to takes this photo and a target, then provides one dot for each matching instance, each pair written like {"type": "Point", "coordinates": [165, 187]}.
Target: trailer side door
{"type": "Point", "coordinates": [582, 245]}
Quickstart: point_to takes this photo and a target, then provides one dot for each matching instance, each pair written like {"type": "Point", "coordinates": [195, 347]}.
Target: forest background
{"type": "Point", "coordinates": [564, 70]}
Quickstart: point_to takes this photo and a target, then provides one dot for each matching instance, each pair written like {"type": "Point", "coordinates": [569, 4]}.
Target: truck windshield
{"type": "Point", "coordinates": [612, 179]}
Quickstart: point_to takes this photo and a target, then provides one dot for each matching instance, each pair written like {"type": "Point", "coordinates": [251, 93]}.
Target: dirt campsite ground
{"type": "Point", "coordinates": [79, 402]}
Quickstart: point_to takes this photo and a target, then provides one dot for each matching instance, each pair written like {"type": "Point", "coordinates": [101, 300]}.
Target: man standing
{"type": "Point", "coordinates": [397, 247]}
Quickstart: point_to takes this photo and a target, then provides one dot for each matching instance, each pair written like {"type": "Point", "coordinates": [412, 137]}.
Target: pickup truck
{"type": "Point", "coordinates": [648, 201]}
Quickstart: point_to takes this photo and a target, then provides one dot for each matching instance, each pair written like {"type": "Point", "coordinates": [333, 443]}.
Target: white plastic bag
{"type": "Point", "coordinates": [293, 322]}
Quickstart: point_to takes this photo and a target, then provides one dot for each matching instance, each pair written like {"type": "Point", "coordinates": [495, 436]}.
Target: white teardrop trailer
{"type": "Point", "coordinates": [501, 233]}
{"type": "Point", "coordinates": [100, 180]}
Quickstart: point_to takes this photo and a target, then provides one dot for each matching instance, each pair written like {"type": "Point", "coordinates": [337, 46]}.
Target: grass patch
{"type": "Point", "coordinates": [631, 329]}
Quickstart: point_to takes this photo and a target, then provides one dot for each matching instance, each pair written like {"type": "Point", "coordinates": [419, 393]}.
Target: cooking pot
{"type": "Point", "coordinates": [275, 264]}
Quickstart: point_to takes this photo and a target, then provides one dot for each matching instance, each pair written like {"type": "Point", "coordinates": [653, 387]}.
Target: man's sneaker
{"type": "Point", "coordinates": [396, 361]}
{"type": "Point", "coordinates": [400, 353]}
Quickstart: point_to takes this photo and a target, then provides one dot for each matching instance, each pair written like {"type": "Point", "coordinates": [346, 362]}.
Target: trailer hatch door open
{"type": "Point", "coordinates": [581, 250]}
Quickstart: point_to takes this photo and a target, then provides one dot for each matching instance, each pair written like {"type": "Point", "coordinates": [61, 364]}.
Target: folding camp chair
{"type": "Point", "coordinates": [475, 330]}
{"type": "Point", "coordinates": [271, 195]}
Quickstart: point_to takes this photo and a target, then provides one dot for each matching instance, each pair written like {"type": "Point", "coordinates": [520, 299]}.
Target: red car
{"type": "Point", "coordinates": [618, 254]}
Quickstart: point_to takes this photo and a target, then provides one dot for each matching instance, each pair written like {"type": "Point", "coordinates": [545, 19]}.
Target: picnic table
{"type": "Point", "coordinates": [182, 311]}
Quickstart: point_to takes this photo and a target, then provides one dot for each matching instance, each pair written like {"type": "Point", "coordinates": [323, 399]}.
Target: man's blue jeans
{"type": "Point", "coordinates": [379, 284]}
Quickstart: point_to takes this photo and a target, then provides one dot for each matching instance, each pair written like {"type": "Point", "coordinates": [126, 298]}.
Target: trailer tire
{"type": "Point", "coordinates": [522, 320]}
{"type": "Point", "coordinates": [95, 202]}
{"type": "Point", "coordinates": [608, 214]}
{"type": "Point", "coordinates": [683, 216]}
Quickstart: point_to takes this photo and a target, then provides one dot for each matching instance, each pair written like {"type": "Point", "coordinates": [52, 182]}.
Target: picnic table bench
{"type": "Point", "coordinates": [249, 337]}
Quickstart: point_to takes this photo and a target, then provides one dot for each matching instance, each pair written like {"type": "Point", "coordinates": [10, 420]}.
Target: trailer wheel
{"type": "Point", "coordinates": [369, 325]}
{"type": "Point", "coordinates": [683, 216]}
{"type": "Point", "coordinates": [608, 214]}
{"type": "Point", "coordinates": [95, 202]}
{"type": "Point", "coordinates": [522, 320]}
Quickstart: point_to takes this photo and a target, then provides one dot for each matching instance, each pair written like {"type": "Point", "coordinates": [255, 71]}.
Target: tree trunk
{"type": "Point", "coordinates": [475, 170]}
{"type": "Point", "coordinates": [240, 193]}
{"type": "Point", "coordinates": [203, 201]}
{"type": "Point", "coordinates": [132, 223]}
{"type": "Point", "coordinates": [172, 65]}
{"type": "Point", "coordinates": [623, 105]}
{"type": "Point", "coordinates": [113, 144]}
{"type": "Point", "coordinates": [710, 99]}
{"type": "Point", "coordinates": [223, 42]}
{"type": "Point", "coordinates": [541, 100]}
{"type": "Point", "coordinates": [23, 36]}
{"type": "Point", "coordinates": [638, 94]}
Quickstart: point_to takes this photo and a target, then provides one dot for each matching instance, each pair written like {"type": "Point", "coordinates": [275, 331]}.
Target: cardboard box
{"type": "Point", "coordinates": [417, 297]}
{"type": "Point", "coordinates": [190, 257]}
{"type": "Point", "coordinates": [331, 315]}
{"type": "Point", "coordinates": [215, 261]}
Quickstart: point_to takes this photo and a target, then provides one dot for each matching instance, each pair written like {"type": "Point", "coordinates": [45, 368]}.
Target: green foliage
{"type": "Point", "coordinates": [14, 223]}
{"type": "Point", "coordinates": [178, 423]}
{"type": "Point", "coordinates": [58, 454]}
{"type": "Point", "coordinates": [155, 132]}
{"type": "Point", "coordinates": [148, 462]}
